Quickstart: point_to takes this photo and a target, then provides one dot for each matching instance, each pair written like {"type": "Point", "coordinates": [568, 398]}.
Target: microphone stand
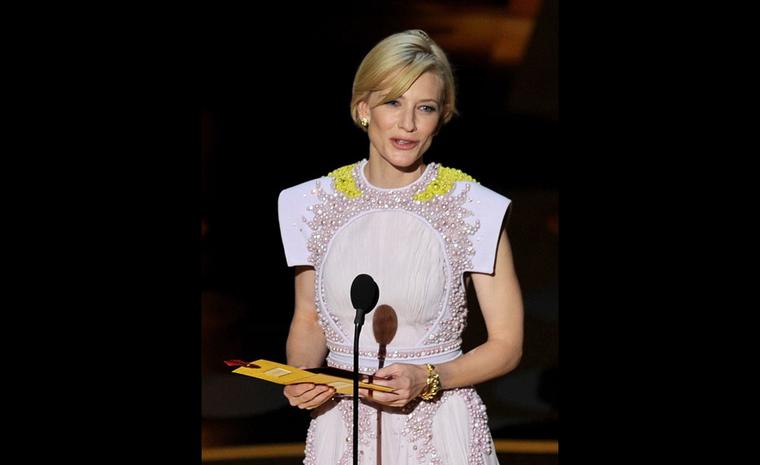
{"type": "Point", "coordinates": [358, 322]}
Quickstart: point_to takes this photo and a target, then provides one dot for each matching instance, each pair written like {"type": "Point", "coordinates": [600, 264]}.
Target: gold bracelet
{"type": "Point", "coordinates": [432, 384]}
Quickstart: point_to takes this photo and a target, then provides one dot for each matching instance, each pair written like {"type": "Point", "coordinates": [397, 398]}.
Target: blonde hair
{"type": "Point", "coordinates": [396, 62]}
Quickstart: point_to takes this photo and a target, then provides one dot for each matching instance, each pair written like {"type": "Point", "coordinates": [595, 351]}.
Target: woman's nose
{"type": "Point", "coordinates": [406, 121]}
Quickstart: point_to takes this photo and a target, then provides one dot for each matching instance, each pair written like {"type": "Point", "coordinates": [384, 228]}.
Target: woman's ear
{"type": "Point", "coordinates": [362, 109]}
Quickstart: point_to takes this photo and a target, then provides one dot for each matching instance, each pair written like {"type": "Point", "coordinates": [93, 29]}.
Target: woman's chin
{"type": "Point", "coordinates": [405, 162]}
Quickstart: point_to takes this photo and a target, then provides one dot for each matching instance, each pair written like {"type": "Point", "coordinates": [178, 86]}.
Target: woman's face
{"type": "Point", "coordinates": [401, 131]}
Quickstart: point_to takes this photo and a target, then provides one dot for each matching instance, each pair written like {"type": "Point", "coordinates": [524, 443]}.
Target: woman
{"type": "Point", "coordinates": [423, 232]}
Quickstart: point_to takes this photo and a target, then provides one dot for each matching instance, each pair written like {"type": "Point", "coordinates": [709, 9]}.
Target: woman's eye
{"type": "Point", "coordinates": [428, 108]}
{"type": "Point", "coordinates": [392, 103]}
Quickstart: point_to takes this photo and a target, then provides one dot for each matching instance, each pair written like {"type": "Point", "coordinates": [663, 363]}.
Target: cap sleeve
{"type": "Point", "coordinates": [489, 208]}
{"type": "Point", "coordinates": [292, 211]}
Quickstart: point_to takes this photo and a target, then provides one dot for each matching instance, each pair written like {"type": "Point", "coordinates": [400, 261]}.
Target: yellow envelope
{"type": "Point", "coordinates": [285, 374]}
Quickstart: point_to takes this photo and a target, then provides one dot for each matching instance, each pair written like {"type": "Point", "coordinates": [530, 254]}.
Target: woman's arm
{"type": "Point", "coordinates": [306, 346]}
{"type": "Point", "coordinates": [500, 301]}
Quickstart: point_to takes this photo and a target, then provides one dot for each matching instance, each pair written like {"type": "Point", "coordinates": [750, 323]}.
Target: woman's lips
{"type": "Point", "coordinates": [404, 144]}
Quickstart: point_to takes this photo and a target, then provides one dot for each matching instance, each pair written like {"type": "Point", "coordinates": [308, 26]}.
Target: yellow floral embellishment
{"type": "Point", "coordinates": [443, 183]}
{"type": "Point", "coordinates": [344, 181]}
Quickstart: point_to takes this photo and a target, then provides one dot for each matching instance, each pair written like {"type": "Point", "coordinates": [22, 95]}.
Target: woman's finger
{"type": "Point", "coordinates": [319, 399]}
{"type": "Point", "coordinates": [297, 390]}
{"type": "Point", "coordinates": [298, 393]}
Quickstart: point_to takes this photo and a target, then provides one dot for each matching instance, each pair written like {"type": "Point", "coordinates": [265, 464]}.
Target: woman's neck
{"type": "Point", "coordinates": [382, 174]}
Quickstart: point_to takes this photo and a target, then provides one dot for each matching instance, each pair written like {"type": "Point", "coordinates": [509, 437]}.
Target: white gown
{"type": "Point", "coordinates": [416, 242]}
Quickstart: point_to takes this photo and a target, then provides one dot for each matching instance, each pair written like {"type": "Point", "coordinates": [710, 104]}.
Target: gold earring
{"type": "Point", "coordinates": [364, 122]}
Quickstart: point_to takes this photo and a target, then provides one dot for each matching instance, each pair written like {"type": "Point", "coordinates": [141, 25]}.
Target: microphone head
{"type": "Point", "coordinates": [364, 293]}
{"type": "Point", "coordinates": [384, 324]}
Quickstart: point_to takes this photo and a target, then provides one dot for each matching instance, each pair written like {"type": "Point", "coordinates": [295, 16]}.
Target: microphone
{"type": "Point", "coordinates": [384, 326]}
{"type": "Point", "coordinates": [364, 295]}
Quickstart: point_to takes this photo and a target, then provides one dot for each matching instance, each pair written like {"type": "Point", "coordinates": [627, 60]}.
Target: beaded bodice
{"type": "Point", "coordinates": [415, 241]}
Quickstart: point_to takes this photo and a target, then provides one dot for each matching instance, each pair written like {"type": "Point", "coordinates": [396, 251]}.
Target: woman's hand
{"type": "Point", "coordinates": [408, 381]}
{"type": "Point", "coordinates": [308, 395]}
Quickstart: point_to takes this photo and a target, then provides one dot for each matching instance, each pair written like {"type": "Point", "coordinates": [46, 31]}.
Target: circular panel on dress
{"type": "Point", "coordinates": [405, 257]}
